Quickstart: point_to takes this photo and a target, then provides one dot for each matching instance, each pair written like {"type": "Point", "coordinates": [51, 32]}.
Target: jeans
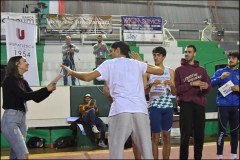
{"type": "Point", "coordinates": [92, 119]}
{"type": "Point", "coordinates": [14, 129]}
{"type": "Point", "coordinates": [72, 67]}
{"type": "Point", "coordinates": [192, 120]}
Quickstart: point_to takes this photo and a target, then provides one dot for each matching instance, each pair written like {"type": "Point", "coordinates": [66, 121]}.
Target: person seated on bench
{"type": "Point", "coordinates": [88, 112]}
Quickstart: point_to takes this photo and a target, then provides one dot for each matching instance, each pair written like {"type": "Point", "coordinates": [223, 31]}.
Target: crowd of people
{"type": "Point", "coordinates": [126, 78]}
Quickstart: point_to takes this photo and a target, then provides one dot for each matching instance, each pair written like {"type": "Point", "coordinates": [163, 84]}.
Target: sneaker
{"type": "Point", "coordinates": [102, 144]}
{"type": "Point", "coordinates": [220, 157]}
{"type": "Point", "coordinates": [94, 129]}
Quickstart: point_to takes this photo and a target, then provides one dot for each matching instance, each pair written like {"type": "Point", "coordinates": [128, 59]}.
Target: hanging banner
{"type": "Point", "coordinates": [85, 23]}
{"type": "Point", "coordinates": [22, 17]}
{"type": "Point", "coordinates": [20, 41]}
{"type": "Point", "coordinates": [144, 29]}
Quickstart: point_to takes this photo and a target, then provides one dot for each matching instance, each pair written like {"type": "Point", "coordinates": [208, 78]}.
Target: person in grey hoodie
{"type": "Point", "coordinates": [192, 84]}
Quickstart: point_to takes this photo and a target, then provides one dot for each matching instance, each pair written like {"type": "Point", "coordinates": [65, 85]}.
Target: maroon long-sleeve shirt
{"type": "Point", "coordinates": [187, 73]}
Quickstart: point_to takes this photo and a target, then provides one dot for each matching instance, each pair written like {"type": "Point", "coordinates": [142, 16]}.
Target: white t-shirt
{"type": "Point", "coordinates": [124, 79]}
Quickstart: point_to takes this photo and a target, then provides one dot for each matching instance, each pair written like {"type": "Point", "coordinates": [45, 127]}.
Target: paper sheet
{"type": "Point", "coordinates": [226, 89]}
{"type": "Point", "coordinates": [55, 80]}
{"type": "Point", "coordinates": [72, 119]}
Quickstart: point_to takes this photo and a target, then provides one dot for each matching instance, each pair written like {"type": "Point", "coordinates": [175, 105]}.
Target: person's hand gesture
{"type": "Point", "coordinates": [224, 75]}
{"type": "Point", "coordinates": [99, 45]}
{"type": "Point", "coordinates": [135, 56]}
{"type": "Point", "coordinates": [196, 83]}
{"type": "Point", "coordinates": [70, 72]}
{"type": "Point", "coordinates": [203, 85]}
{"type": "Point", "coordinates": [86, 107]}
{"type": "Point", "coordinates": [92, 102]}
{"type": "Point", "coordinates": [104, 45]}
{"type": "Point", "coordinates": [168, 83]}
{"type": "Point", "coordinates": [156, 82]}
{"type": "Point", "coordinates": [51, 87]}
{"type": "Point", "coordinates": [72, 49]}
{"type": "Point", "coordinates": [235, 88]}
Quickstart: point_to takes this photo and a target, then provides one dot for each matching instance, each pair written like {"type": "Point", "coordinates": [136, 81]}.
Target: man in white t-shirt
{"type": "Point", "coordinates": [128, 113]}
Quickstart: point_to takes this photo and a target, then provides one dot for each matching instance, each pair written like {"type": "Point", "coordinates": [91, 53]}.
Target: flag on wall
{"type": "Point", "coordinates": [20, 41]}
{"type": "Point", "coordinates": [57, 7]}
{"type": "Point", "coordinates": [61, 6]}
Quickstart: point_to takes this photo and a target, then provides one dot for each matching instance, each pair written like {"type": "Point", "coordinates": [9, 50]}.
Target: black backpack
{"type": "Point", "coordinates": [63, 142]}
{"type": "Point", "coordinates": [36, 142]}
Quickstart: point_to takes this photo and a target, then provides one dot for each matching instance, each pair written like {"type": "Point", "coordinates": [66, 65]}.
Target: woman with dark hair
{"type": "Point", "coordinates": [16, 92]}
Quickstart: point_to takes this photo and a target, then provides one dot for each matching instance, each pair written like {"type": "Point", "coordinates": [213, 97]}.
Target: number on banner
{"type": "Point", "coordinates": [22, 53]}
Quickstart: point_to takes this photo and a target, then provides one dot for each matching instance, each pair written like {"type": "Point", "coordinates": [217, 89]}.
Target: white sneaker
{"type": "Point", "coordinates": [102, 144]}
{"type": "Point", "coordinates": [94, 129]}
{"type": "Point", "coordinates": [220, 157]}
{"type": "Point", "coordinates": [233, 156]}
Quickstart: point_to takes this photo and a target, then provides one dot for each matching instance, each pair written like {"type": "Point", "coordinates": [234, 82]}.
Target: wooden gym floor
{"type": "Point", "coordinates": [209, 152]}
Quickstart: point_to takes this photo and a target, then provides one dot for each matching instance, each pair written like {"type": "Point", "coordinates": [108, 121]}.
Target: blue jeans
{"type": "Point", "coordinates": [65, 78]}
{"type": "Point", "coordinates": [92, 119]}
{"type": "Point", "coordinates": [14, 129]}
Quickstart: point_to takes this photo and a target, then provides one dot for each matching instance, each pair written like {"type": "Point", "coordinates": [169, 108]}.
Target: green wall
{"type": "Point", "coordinates": [3, 54]}
{"type": "Point", "coordinates": [208, 54]}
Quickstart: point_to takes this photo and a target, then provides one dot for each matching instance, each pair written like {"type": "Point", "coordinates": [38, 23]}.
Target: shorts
{"type": "Point", "coordinates": [161, 119]}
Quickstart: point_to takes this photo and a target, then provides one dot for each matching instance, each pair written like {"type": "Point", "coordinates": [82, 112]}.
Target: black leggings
{"type": "Point", "coordinates": [192, 120]}
{"type": "Point", "coordinates": [228, 114]}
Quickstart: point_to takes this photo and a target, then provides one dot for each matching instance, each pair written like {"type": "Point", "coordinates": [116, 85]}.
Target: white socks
{"type": "Point", "coordinates": [220, 156]}
{"type": "Point", "coordinates": [233, 156]}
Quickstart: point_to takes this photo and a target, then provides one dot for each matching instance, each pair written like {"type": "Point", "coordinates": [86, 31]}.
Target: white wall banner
{"type": "Point", "coordinates": [20, 41]}
{"type": "Point", "coordinates": [142, 29]}
{"type": "Point", "coordinates": [143, 37]}
{"type": "Point", "coordinates": [23, 17]}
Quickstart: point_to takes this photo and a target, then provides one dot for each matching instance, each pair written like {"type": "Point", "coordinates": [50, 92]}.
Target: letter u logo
{"type": "Point", "coordinates": [21, 34]}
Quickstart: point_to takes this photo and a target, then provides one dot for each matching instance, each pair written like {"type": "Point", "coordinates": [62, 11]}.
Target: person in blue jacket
{"type": "Point", "coordinates": [228, 105]}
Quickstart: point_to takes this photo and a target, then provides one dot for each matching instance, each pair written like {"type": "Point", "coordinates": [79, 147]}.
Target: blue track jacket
{"type": "Point", "coordinates": [233, 98]}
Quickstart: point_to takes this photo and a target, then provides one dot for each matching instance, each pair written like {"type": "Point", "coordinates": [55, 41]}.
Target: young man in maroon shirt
{"type": "Point", "coordinates": [192, 84]}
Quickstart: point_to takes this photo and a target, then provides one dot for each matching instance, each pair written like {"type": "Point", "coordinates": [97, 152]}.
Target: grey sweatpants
{"type": "Point", "coordinates": [123, 125]}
